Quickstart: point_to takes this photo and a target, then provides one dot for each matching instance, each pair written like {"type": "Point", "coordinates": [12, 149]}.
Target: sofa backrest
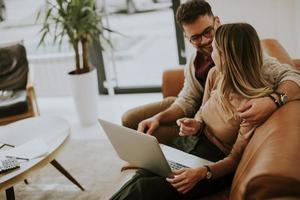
{"type": "Point", "coordinates": [172, 82]}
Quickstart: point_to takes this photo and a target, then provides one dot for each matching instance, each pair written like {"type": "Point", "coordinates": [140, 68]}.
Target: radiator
{"type": "Point", "coordinates": [50, 73]}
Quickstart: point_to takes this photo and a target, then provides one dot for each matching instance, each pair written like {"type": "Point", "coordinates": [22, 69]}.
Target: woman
{"type": "Point", "coordinates": [221, 134]}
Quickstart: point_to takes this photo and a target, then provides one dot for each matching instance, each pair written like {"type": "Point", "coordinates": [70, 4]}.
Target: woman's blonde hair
{"type": "Point", "coordinates": [241, 69]}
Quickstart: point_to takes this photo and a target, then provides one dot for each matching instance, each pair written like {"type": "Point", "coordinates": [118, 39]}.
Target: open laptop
{"type": "Point", "coordinates": [144, 151]}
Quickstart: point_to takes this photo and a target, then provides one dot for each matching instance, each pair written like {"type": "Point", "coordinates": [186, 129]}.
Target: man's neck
{"type": "Point", "coordinates": [202, 65]}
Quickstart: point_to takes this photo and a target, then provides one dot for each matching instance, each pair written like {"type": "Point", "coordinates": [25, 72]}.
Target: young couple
{"type": "Point", "coordinates": [243, 87]}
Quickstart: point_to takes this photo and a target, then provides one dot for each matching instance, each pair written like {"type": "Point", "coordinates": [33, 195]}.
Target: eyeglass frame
{"type": "Point", "coordinates": [198, 37]}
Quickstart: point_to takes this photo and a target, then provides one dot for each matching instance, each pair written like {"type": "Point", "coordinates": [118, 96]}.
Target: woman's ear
{"type": "Point", "coordinates": [217, 21]}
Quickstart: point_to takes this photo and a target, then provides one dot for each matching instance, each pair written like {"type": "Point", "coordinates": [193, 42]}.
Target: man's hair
{"type": "Point", "coordinates": [189, 11]}
{"type": "Point", "coordinates": [242, 70]}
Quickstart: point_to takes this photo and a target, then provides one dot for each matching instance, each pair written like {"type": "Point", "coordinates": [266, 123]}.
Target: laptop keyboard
{"type": "Point", "coordinates": [175, 165]}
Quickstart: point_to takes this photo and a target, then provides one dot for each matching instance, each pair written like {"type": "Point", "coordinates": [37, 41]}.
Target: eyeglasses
{"type": "Point", "coordinates": [207, 33]}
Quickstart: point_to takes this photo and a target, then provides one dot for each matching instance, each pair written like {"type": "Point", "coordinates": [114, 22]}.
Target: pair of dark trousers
{"type": "Point", "coordinates": [145, 185]}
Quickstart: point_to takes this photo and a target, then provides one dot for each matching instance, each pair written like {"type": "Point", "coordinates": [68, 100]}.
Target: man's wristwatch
{"type": "Point", "coordinates": [209, 174]}
{"type": "Point", "coordinates": [283, 98]}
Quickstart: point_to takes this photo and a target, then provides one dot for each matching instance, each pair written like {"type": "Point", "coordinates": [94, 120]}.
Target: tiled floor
{"type": "Point", "coordinates": [110, 108]}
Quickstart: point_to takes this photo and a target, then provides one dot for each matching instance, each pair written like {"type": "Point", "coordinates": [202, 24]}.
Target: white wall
{"type": "Point", "coordinates": [279, 19]}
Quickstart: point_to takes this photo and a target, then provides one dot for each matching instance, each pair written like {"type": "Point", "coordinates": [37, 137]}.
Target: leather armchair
{"type": "Point", "coordinates": [14, 76]}
{"type": "Point", "coordinates": [269, 166]}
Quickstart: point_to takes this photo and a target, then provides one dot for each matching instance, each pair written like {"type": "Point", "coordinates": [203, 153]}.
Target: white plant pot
{"type": "Point", "coordinates": [85, 92]}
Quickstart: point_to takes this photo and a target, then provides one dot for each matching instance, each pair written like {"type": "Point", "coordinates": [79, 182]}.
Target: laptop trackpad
{"type": "Point", "coordinates": [182, 157]}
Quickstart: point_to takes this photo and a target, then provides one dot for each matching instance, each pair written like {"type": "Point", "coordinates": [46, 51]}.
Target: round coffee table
{"type": "Point", "coordinates": [53, 130]}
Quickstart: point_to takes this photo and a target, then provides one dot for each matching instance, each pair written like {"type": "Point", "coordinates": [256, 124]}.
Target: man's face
{"type": "Point", "coordinates": [201, 33]}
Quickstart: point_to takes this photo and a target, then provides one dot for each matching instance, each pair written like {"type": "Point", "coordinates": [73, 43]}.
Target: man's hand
{"type": "Point", "coordinates": [185, 179]}
{"type": "Point", "coordinates": [148, 125]}
{"type": "Point", "coordinates": [188, 126]}
{"type": "Point", "coordinates": [256, 111]}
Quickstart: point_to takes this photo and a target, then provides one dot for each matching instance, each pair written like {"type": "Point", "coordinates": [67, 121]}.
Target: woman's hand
{"type": "Point", "coordinates": [188, 126]}
{"type": "Point", "coordinates": [186, 178]}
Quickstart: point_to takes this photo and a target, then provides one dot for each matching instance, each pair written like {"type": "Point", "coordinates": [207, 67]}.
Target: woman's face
{"type": "Point", "coordinates": [215, 55]}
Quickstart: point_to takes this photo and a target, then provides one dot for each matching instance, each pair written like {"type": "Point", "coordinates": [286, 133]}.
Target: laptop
{"type": "Point", "coordinates": [144, 151]}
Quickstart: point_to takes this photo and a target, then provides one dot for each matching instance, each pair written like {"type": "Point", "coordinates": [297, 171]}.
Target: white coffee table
{"type": "Point", "coordinates": [53, 130]}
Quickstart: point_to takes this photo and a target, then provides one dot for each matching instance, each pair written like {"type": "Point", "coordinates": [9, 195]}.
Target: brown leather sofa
{"type": "Point", "coordinates": [269, 168]}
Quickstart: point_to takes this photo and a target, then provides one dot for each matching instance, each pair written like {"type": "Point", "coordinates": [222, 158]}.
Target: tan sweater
{"type": "Point", "coordinates": [221, 128]}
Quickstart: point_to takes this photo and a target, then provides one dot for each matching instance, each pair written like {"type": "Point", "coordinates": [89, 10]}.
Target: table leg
{"type": "Point", "coordinates": [65, 173]}
{"type": "Point", "coordinates": [26, 181]}
{"type": "Point", "coordinates": [10, 194]}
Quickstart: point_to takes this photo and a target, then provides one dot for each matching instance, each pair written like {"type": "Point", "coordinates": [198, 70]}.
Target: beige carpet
{"type": "Point", "coordinates": [93, 163]}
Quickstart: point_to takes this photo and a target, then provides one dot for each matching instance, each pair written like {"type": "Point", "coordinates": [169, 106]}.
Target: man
{"type": "Point", "coordinates": [199, 24]}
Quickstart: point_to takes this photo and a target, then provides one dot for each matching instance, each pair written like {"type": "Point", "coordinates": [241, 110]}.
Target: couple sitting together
{"type": "Point", "coordinates": [243, 87]}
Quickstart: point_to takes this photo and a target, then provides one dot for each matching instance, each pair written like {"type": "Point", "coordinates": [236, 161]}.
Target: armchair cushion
{"type": "Point", "coordinates": [15, 104]}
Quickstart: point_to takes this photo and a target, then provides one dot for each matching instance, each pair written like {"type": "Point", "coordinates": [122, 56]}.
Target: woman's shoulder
{"type": "Point", "coordinates": [213, 75]}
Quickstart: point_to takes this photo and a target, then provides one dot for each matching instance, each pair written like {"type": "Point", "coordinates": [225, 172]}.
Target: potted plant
{"type": "Point", "coordinates": [81, 23]}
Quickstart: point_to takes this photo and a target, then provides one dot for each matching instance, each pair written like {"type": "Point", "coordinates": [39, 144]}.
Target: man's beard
{"type": "Point", "coordinates": [205, 49]}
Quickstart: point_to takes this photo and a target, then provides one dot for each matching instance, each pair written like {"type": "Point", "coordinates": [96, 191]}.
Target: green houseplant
{"type": "Point", "coordinates": [81, 23]}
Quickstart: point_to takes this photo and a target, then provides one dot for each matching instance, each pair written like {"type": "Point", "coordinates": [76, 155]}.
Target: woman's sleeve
{"type": "Point", "coordinates": [209, 86]}
{"type": "Point", "coordinates": [230, 163]}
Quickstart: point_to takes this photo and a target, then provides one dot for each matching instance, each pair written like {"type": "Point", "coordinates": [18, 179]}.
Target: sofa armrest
{"type": "Point", "coordinates": [275, 49]}
{"type": "Point", "coordinates": [297, 63]}
{"type": "Point", "coordinates": [269, 166]}
{"type": "Point", "coordinates": [172, 82]}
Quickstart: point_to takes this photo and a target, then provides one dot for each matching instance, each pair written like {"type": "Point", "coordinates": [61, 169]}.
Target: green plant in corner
{"type": "Point", "coordinates": [80, 21]}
